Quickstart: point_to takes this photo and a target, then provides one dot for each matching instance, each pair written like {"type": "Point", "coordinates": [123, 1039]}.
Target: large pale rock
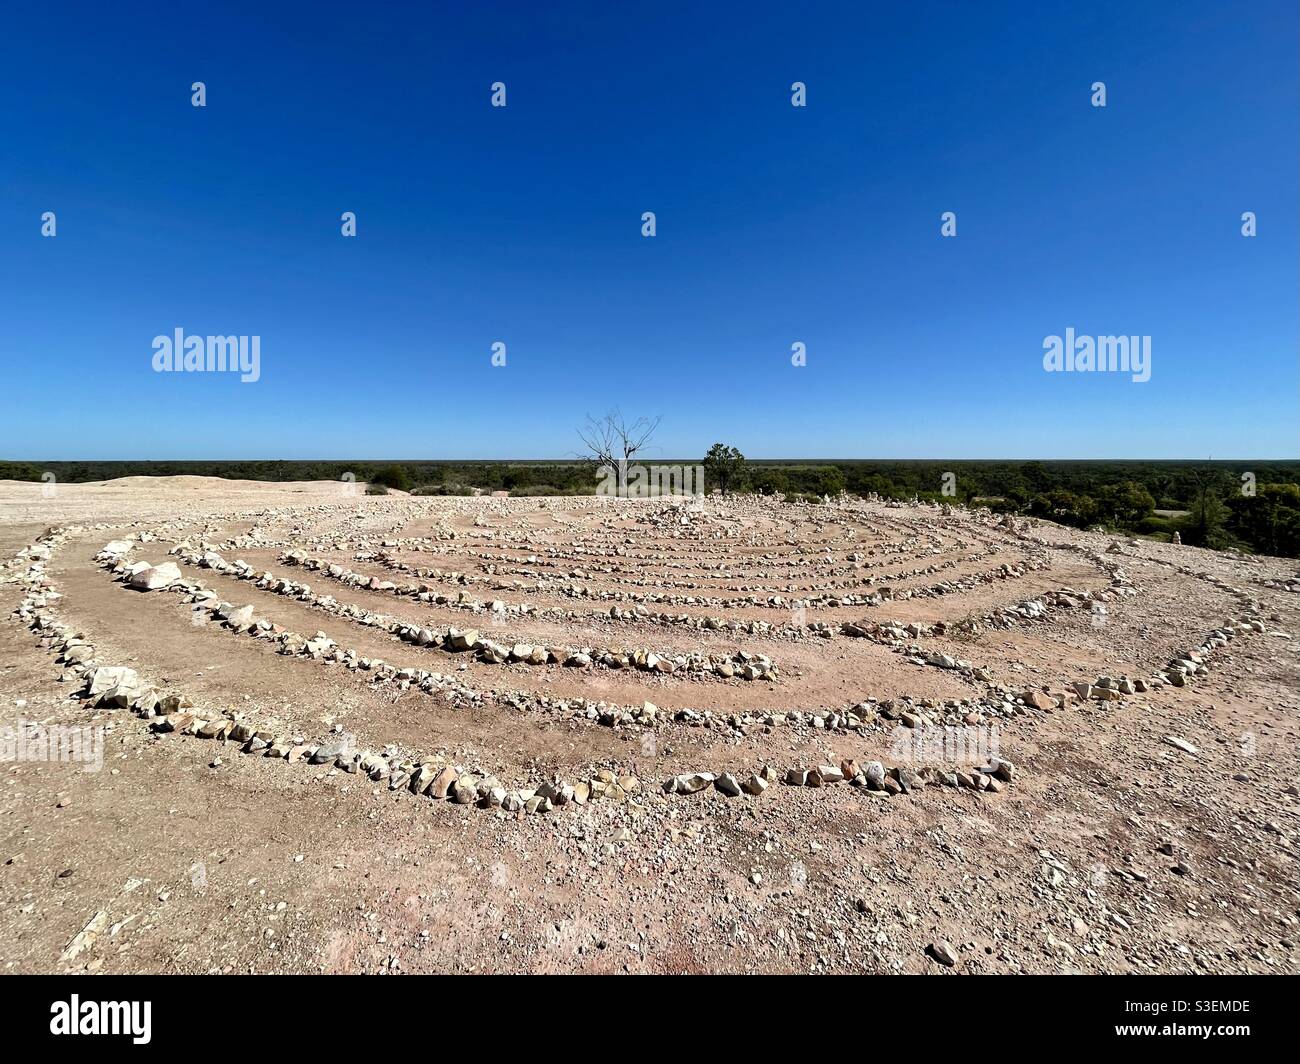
{"type": "Point", "coordinates": [728, 785]}
{"type": "Point", "coordinates": [156, 577]}
{"type": "Point", "coordinates": [443, 783]}
{"type": "Point", "coordinates": [457, 640]}
{"type": "Point", "coordinates": [237, 617]}
{"type": "Point", "coordinates": [331, 750]}
{"type": "Point", "coordinates": [422, 778]}
{"type": "Point", "coordinates": [688, 782]}
{"type": "Point", "coordinates": [107, 677]}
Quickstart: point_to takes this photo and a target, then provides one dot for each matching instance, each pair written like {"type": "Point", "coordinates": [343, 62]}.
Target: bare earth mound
{"type": "Point", "coordinates": [350, 733]}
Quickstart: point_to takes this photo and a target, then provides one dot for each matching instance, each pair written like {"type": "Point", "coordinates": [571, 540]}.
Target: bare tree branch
{"type": "Point", "coordinates": [612, 443]}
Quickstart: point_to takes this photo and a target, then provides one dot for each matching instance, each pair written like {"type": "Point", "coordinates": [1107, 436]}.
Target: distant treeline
{"type": "Point", "coordinates": [1247, 505]}
{"type": "Point", "coordinates": [568, 478]}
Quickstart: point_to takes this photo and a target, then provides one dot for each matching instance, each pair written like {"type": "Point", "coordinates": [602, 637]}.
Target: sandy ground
{"type": "Point", "coordinates": [1112, 849]}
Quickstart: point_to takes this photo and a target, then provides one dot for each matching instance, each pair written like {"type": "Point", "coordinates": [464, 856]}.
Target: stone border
{"type": "Point", "coordinates": [119, 687]}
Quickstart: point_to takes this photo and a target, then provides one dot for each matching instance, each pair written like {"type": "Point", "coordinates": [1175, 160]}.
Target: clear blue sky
{"type": "Point", "coordinates": [775, 225]}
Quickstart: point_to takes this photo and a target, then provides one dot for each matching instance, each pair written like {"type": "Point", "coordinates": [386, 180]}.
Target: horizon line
{"type": "Point", "coordinates": [583, 461]}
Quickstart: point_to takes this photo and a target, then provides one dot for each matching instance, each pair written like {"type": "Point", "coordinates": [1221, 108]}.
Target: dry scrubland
{"type": "Point", "coordinates": [413, 734]}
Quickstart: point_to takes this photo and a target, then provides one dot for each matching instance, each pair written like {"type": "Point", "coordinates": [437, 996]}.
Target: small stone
{"type": "Point", "coordinates": [728, 785]}
{"type": "Point", "coordinates": [942, 952]}
{"type": "Point", "coordinates": [1040, 700]}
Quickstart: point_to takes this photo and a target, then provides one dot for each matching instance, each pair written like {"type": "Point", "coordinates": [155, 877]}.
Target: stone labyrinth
{"type": "Point", "coordinates": [521, 656]}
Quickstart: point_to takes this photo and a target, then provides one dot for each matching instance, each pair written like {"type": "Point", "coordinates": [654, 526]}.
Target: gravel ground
{"type": "Point", "coordinates": [1143, 831]}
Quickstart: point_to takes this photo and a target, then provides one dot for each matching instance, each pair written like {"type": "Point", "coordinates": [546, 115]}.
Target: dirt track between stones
{"type": "Point", "coordinates": [1109, 848]}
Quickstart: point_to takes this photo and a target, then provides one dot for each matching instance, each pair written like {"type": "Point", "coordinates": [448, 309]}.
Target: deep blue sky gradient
{"type": "Point", "coordinates": [776, 224]}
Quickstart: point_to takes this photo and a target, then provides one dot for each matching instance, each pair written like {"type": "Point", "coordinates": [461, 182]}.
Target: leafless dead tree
{"type": "Point", "coordinates": [611, 443]}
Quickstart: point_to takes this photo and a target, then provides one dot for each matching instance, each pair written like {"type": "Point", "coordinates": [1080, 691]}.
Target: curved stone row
{"type": "Point", "coordinates": [742, 664]}
{"type": "Point", "coordinates": [787, 600]}
{"type": "Point", "coordinates": [1041, 607]}
{"type": "Point", "coordinates": [1183, 666]}
{"type": "Point", "coordinates": [321, 648]}
{"type": "Point", "coordinates": [616, 544]}
{"type": "Point", "coordinates": [119, 687]}
{"type": "Point", "coordinates": [1241, 595]}
{"type": "Point", "coordinates": [1181, 669]}
{"type": "Point", "coordinates": [864, 715]}
{"type": "Point", "coordinates": [426, 594]}
{"type": "Point", "coordinates": [568, 558]}
{"type": "Point", "coordinates": [872, 776]}
{"type": "Point", "coordinates": [825, 590]}
{"type": "Point", "coordinates": [899, 637]}
{"type": "Point", "coordinates": [423, 592]}
{"type": "Point", "coordinates": [860, 717]}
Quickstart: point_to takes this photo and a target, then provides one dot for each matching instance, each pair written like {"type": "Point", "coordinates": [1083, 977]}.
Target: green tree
{"type": "Point", "coordinates": [1203, 525]}
{"type": "Point", "coordinates": [1065, 507]}
{"type": "Point", "coordinates": [1269, 520]}
{"type": "Point", "coordinates": [393, 476]}
{"type": "Point", "coordinates": [830, 480]}
{"type": "Point", "coordinates": [1125, 504]}
{"type": "Point", "coordinates": [723, 466]}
